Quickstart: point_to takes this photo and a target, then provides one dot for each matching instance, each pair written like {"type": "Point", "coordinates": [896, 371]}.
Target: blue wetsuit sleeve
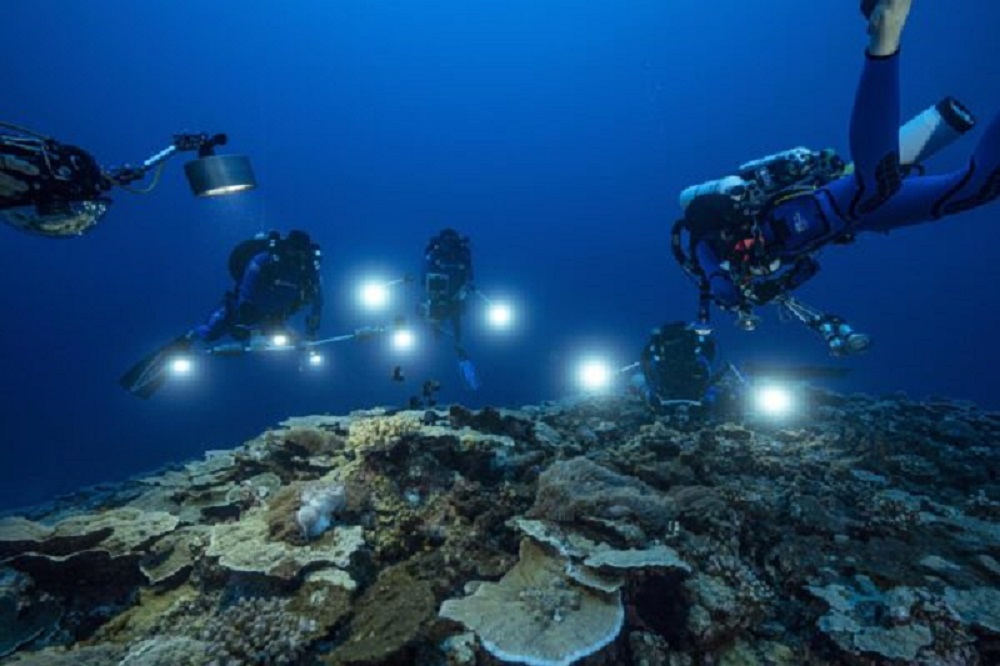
{"type": "Point", "coordinates": [251, 276]}
{"type": "Point", "coordinates": [723, 291]}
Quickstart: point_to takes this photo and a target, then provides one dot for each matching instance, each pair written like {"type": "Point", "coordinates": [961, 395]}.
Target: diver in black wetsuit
{"type": "Point", "coordinates": [679, 367]}
{"type": "Point", "coordinates": [676, 364]}
{"type": "Point", "coordinates": [448, 283]}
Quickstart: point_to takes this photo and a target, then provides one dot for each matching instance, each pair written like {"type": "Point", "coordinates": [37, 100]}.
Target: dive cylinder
{"type": "Point", "coordinates": [732, 186]}
{"type": "Point", "coordinates": [793, 158]}
{"type": "Point", "coordinates": [760, 178]}
{"type": "Point", "coordinates": [922, 137]}
{"type": "Point", "coordinates": [933, 130]}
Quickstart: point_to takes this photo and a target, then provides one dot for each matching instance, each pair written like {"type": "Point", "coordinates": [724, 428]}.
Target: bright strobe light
{"type": "Point", "coordinates": [594, 375]}
{"type": "Point", "coordinates": [773, 401]}
{"type": "Point", "coordinates": [181, 366]}
{"type": "Point", "coordinates": [315, 359]}
{"type": "Point", "coordinates": [403, 340]}
{"type": "Point", "coordinates": [279, 340]}
{"type": "Point", "coordinates": [500, 315]}
{"type": "Point", "coordinates": [374, 295]}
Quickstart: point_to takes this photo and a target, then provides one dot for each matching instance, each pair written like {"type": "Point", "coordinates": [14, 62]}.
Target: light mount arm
{"type": "Point", "coordinates": [208, 175]}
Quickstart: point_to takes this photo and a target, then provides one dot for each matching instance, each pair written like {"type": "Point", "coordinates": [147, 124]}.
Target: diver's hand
{"type": "Point", "coordinates": [766, 292]}
{"type": "Point", "coordinates": [885, 26]}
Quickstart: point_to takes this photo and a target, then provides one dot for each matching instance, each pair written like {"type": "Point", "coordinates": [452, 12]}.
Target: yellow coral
{"type": "Point", "coordinates": [381, 433]}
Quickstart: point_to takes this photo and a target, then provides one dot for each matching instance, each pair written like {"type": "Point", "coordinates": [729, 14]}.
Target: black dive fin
{"type": "Point", "coordinates": [148, 375]}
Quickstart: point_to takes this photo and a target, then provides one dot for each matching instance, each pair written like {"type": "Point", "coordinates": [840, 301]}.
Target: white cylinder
{"type": "Point", "coordinates": [801, 155]}
{"type": "Point", "coordinates": [730, 185]}
{"type": "Point", "coordinates": [933, 130]}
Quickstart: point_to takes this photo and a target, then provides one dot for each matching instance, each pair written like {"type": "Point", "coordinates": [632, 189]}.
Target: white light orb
{"type": "Point", "coordinates": [594, 375]}
{"type": "Point", "coordinates": [500, 315]}
{"type": "Point", "coordinates": [774, 400]}
{"type": "Point", "coordinates": [403, 340]}
{"type": "Point", "coordinates": [374, 295]}
{"type": "Point", "coordinates": [181, 366]}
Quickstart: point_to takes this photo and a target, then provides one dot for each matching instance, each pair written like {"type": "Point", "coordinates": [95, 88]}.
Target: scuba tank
{"type": "Point", "coordinates": [758, 180]}
{"type": "Point", "coordinates": [732, 186]}
{"type": "Point", "coordinates": [241, 255]}
{"type": "Point", "coordinates": [933, 130]}
{"type": "Point", "coordinates": [922, 137]}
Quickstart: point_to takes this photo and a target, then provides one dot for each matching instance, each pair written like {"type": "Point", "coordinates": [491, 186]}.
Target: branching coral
{"type": "Point", "coordinates": [257, 631]}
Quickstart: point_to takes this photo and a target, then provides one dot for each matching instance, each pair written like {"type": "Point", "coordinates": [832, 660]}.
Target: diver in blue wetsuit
{"type": "Point", "coordinates": [752, 239]}
{"type": "Point", "coordinates": [274, 278]}
{"type": "Point", "coordinates": [448, 282]}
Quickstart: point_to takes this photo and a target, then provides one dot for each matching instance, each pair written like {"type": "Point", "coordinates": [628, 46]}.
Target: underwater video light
{"type": "Point", "coordinates": [315, 359]}
{"type": "Point", "coordinates": [773, 400]}
{"type": "Point", "coordinates": [217, 175]}
{"type": "Point", "coordinates": [279, 340]}
{"type": "Point", "coordinates": [181, 366]}
{"type": "Point", "coordinates": [500, 315]}
{"type": "Point", "coordinates": [214, 175]}
{"type": "Point", "coordinates": [374, 294]}
{"type": "Point", "coordinates": [594, 375]}
{"type": "Point", "coordinates": [403, 340]}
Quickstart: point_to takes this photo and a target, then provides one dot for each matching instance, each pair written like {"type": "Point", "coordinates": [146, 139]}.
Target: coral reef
{"type": "Point", "coordinates": [867, 532]}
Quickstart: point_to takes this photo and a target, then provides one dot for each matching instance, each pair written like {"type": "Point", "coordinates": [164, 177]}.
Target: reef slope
{"type": "Point", "coordinates": [587, 531]}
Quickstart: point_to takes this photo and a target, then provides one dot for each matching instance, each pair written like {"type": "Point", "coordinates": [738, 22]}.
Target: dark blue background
{"type": "Point", "coordinates": [556, 133]}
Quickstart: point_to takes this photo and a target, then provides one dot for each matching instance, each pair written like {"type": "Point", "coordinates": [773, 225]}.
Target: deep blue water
{"type": "Point", "coordinates": [556, 133]}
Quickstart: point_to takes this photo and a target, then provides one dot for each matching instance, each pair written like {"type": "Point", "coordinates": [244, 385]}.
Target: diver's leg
{"type": "Point", "coordinates": [215, 327]}
{"type": "Point", "coordinates": [980, 182]}
{"type": "Point", "coordinates": [874, 134]}
{"type": "Point", "coordinates": [927, 198]}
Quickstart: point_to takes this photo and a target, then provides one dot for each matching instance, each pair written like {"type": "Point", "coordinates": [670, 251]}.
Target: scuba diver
{"type": "Point", "coordinates": [274, 279]}
{"type": "Point", "coordinates": [676, 364]}
{"type": "Point", "coordinates": [752, 238]}
{"type": "Point", "coordinates": [57, 190]}
{"type": "Point", "coordinates": [678, 367]}
{"type": "Point", "coordinates": [447, 279]}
